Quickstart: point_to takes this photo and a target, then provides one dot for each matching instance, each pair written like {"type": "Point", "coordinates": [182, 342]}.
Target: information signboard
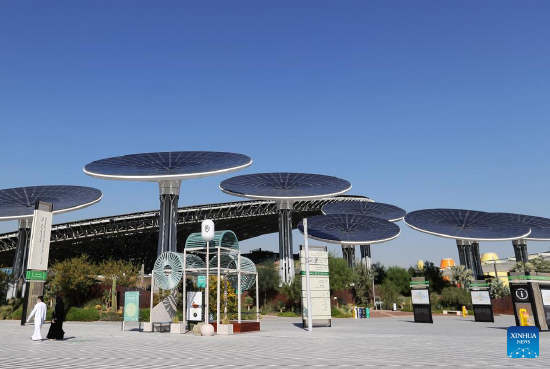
{"type": "Point", "coordinates": [420, 297]}
{"type": "Point", "coordinates": [194, 306]}
{"type": "Point", "coordinates": [39, 246]}
{"type": "Point", "coordinates": [131, 306]}
{"type": "Point", "coordinates": [480, 298]}
{"type": "Point", "coordinates": [319, 285]}
{"type": "Point", "coordinates": [201, 281]}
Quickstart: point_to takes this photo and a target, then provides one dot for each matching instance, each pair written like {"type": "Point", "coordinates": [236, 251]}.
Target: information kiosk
{"type": "Point", "coordinates": [531, 298]}
{"type": "Point", "coordinates": [420, 295]}
{"type": "Point", "coordinates": [481, 302]}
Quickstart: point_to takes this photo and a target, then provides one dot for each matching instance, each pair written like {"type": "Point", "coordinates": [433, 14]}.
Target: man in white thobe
{"type": "Point", "coordinates": [39, 313]}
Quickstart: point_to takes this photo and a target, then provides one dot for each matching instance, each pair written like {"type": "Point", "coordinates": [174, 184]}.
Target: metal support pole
{"type": "Point", "coordinates": [184, 287]}
{"type": "Point", "coordinates": [152, 293]}
{"type": "Point", "coordinates": [207, 286]}
{"type": "Point", "coordinates": [365, 255]}
{"type": "Point", "coordinates": [239, 288]}
{"type": "Point", "coordinates": [348, 252]}
{"type": "Point", "coordinates": [286, 255]}
{"type": "Point", "coordinates": [168, 217]}
{"type": "Point", "coordinates": [257, 300]}
{"type": "Point", "coordinates": [476, 258]}
{"type": "Point", "coordinates": [495, 267]}
{"type": "Point", "coordinates": [461, 252]}
{"type": "Point", "coordinates": [19, 268]}
{"type": "Point", "coordinates": [308, 282]}
{"type": "Point", "coordinates": [218, 295]}
{"type": "Point", "coordinates": [523, 250]}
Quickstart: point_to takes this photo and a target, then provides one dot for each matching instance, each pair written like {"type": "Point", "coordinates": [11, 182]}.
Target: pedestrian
{"type": "Point", "coordinates": [39, 313]}
{"type": "Point", "coordinates": [58, 316]}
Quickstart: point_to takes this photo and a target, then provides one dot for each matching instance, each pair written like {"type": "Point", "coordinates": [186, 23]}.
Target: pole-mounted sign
{"type": "Point", "coordinates": [40, 237]}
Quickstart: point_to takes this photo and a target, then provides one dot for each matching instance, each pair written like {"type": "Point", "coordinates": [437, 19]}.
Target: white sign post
{"type": "Point", "coordinates": [207, 233]}
{"type": "Point", "coordinates": [308, 283]}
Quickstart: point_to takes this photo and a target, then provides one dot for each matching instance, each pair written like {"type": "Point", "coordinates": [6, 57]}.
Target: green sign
{"type": "Point", "coordinates": [201, 281]}
{"type": "Point", "coordinates": [131, 306]}
{"type": "Point", "coordinates": [36, 275]}
{"type": "Point", "coordinates": [314, 273]}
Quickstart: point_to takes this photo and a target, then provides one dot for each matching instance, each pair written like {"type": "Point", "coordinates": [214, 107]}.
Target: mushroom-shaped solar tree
{"type": "Point", "coordinates": [389, 212]}
{"type": "Point", "coordinates": [285, 188]}
{"type": "Point", "coordinates": [540, 231]}
{"type": "Point", "coordinates": [168, 169]}
{"type": "Point", "coordinates": [468, 228]}
{"type": "Point", "coordinates": [19, 204]}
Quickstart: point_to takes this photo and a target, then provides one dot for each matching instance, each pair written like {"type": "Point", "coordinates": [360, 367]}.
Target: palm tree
{"type": "Point", "coordinates": [460, 275]}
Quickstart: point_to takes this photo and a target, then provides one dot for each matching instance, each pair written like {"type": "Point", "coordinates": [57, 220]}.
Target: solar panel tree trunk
{"type": "Point", "coordinates": [520, 251]}
{"type": "Point", "coordinates": [365, 255]}
{"type": "Point", "coordinates": [20, 258]}
{"type": "Point", "coordinates": [168, 217]}
{"type": "Point", "coordinates": [286, 254]}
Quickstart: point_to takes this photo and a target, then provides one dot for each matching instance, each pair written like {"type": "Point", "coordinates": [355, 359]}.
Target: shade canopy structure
{"type": "Point", "coordinates": [285, 188]}
{"type": "Point", "coordinates": [350, 229]}
{"type": "Point", "coordinates": [19, 204]}
{"type": "Point", "coordinates": [468, 227]}
{"type": "Point", "coordinates": [540, 231]}
{"type": "Point", "coordinates": [168, 169]}
{"type": "Point", "coordinates": [371, 208]}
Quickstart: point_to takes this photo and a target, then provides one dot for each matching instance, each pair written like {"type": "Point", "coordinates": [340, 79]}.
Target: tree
{"type": "Point", "coordinates": [341, 275]}
{"type": "Point", "coordinates": [74, 277]}
{"type": "Point", "coordinates": [248, 301]}
{"type": "Point", "coordinates": [363, 284]}
{"type": "Point", "coordinates": [522, 267]}
{"type": "Point", "coordinates": [498, 289]}
{"type": "Point", "coordinates": [400, 278]}
{"type": "Point", "coordinates": [268, 279]}
{"type": "Point", "coordinates": [293, 293]}
{"type": "Point", "coordinates": [379, 272]}
{"type": "Point", "coordinates": [540, 264]}
{"type": "Point", "coordinates": [459, 275]}
{"type": "Point", "coordinates": [4, 284]}
{"type": "Point", "coordinates": [434, 275]}
{"type": "Point", "coordinates": [230, 299]}
{"type": "Point", "coordinates": [125, 273]}
{"type": "Point", "coordinates": [389, 293]}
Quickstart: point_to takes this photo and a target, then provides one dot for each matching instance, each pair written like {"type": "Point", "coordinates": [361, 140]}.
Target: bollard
{"type": "Point", "coordinates": [524, 318]}
{"type": "Point", "coordinates": [464, 312]}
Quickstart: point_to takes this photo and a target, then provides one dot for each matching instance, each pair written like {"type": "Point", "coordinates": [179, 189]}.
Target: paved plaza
{"type": "Point", "coordinates": [383, 342]}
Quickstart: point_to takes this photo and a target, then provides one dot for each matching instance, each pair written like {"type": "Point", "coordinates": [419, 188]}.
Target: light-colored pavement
{"type": "Point", "coordinates": [377, 343]}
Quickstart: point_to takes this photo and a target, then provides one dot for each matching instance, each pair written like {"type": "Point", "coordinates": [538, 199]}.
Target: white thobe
{"type": "Point", "coordinates": [39, 313]}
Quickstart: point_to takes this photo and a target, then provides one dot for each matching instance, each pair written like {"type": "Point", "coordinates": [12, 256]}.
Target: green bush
{"type": "Point", "coordinates": [110, 316]}
{"type": "Point", "coordinates": [16, 315]}
{"type": "Point", "coordinates": [453, 298]}
{"type": "Point", "coordinates": [145, 313]}
{"type": "Point", "coordinates": [82, 315]}
{"type": "Point", "coordinates": [288, 314]}
{"type": "Point", "coordinates": [337, 313]}
{"type": "Point", "coordinates": [92, 303]}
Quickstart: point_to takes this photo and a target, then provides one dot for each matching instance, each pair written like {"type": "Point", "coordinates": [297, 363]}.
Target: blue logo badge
{"type": "Point", "coordinates": [523, 342]}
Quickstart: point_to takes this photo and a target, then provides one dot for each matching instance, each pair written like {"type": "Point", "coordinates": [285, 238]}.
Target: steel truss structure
{"type": "Point", "coordinates": [135, 236]}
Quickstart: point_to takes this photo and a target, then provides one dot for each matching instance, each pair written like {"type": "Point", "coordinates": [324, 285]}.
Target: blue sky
{"type": "Point", "coordinates": [420, 104]}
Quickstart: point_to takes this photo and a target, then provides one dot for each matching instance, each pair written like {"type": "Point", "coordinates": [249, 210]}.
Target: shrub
{"type": "Point", "coordinates": [454, 298]}
{"type": "Point", "coordinates": [5, 312]}
{"type": "Point", "coordinates": [110, 316]}
{"type": "Point", "coordinates": [288, 314]}
{"type": "Point", "coordinates": [145, 314]}
{"type": "Point", "coordinates": [16, 315]}
{"type": "Point", "coordinates": [82, 315]}
{"type": "Point", "coordinates": [337, 313]}
{"type": "Point", "coordinates": [92, 303]}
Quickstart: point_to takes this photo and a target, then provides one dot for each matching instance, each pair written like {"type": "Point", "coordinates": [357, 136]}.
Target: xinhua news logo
{"type": "Point", "coordinates": [523, 342]}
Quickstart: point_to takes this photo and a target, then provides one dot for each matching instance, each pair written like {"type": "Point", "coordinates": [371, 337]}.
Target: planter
{"type": "Point", "coordinates": [177, 328]}
{"type": "Point", "coordinates": [225, 329]}
{"type": "Point", "coordinates": [147, 327]}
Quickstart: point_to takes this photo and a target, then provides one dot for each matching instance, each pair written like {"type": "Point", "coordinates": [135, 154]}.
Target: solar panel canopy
{"type": "Point", "coordinates": [350, 229]}
{"type": "Point", "coordinates": [18, 203]}
{"type": "Point", "coordinates": [540, 227]}
{"type": "Point", "coordinates": [173, 165]}
{"type": "Point", "coordinates": [285, 186]}
{"type": "Point", "coordinates": [469, 225]}
{"type": "Point", "coordinates": [370, 208]}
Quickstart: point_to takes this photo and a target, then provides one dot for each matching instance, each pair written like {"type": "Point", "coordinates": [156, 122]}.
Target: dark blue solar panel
{"type": "Point", "coordinates": [373, 209]}
{"type": "Point", "coordinates": [540, 227]}
{"type": "Point", "coordinates": [350, 229]}
{"type": "Point", "coordinates": [20, 202]}
{"type": "Point", "coordinates": [466, 224]}
{"type": "Point", "coordinates": [284, 185]}
{"type": "Point", "coordinates": [184, 163]}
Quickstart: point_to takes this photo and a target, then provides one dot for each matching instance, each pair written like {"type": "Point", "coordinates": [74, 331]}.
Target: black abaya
{"type": "Point", "coordinates": [56, 327]}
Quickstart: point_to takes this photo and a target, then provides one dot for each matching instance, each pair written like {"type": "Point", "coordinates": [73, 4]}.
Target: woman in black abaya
{"type": "Point", "coordinates": [56, 327]}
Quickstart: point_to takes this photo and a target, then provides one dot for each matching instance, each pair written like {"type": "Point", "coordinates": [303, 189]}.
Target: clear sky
{"type": "Point", "coordinates": [418, 103]}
